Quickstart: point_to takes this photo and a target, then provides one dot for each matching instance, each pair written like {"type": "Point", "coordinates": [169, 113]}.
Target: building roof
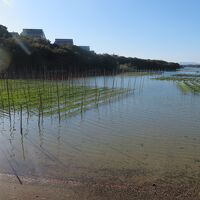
{"type": "Point", "coordinates": [87, 48]}
{"type": "Point", "coordinates": [14, 34]}
{"type": "Point", "coordinates": [58, 39]}
{"type": "Point", "coordinates": [64, 41]}
{"type": "Point", "coordinates": [36, 33]}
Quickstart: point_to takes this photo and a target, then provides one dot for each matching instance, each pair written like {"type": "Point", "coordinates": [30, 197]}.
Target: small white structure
{"type": "Point", "coordinates": [14, 34]}
{"type": "Point", "coordinates": [34, 33]}
{"type": "Point", "coordinates": [87, 48]}
{"type": "Point", "coordinates": [68, 42]}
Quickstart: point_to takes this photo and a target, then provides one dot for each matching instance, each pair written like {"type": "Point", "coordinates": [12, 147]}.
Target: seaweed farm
{"type": "Point", "coordinates": [187, 83]}
{"type": "Point", "coordinates": [105, 135]}
{"type": "Point", "coordinates": [61, 98]}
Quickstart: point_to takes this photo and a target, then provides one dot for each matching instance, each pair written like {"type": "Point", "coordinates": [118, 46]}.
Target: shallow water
{"type": "Point", "coordinates": [153, 132]}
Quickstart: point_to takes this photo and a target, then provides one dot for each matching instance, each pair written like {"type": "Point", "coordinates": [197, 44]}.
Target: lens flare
{"type": "Point", "coordinates": [5, 59]}
{"type": "Point", "coordinates": [7, 2]}
{"type": "Point", "coordinates": [23, 46]}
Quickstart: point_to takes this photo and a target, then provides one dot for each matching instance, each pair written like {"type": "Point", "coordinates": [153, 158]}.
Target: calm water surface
{"type": "Point", "coordinates": [153, 132]}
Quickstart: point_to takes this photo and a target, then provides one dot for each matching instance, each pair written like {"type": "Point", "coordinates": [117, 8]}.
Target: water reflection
{"type": "Point", "coordinates": [153, 132]}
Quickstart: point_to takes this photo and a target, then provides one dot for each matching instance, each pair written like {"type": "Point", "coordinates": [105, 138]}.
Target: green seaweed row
{"type": "Point", "coordinates": [186, 83]}
{"type": "Point", "coordinates": [46, 98]}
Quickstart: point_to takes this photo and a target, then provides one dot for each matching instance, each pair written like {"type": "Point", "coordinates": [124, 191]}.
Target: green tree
{"type": "Point", "coordinates": [4, 32]}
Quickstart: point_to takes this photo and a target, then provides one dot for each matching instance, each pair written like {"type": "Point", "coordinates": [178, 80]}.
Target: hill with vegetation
{"type": "Point", "coordinates": [24, 54]}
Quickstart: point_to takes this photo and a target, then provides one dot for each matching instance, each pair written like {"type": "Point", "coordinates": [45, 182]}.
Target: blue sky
{"type": "Point", "coordinates": [155, 29]}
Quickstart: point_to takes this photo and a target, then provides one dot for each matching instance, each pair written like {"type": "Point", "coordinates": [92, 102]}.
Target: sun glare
{"type": "Point", "coordinates": [4, 59]}
{"type": "Point", "coordinates": [7, 2]}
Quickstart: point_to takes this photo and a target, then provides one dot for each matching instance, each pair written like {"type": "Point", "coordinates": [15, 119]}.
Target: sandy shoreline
{"type": "Point", "coordinates": [56, 189]}
{"type": "Point", "coordinates": [11, 189]}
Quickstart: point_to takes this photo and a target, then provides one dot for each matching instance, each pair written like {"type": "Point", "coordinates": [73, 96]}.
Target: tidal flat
{"type": "Point", "coordinates": [133, 137]}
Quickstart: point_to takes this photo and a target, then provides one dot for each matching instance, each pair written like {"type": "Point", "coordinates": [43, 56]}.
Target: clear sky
{"type": "Point", "coordinates": [155, 29]}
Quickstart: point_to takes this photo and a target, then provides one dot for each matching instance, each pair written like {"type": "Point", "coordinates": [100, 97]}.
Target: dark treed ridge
{"type": "Point", "coordinates": [23, 55]}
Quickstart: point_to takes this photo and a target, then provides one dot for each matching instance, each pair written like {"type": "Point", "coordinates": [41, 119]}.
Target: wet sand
{"type": "Point", "coordinates": [11, 189]}
{"type": "Point", "coordinates": [54, 189]}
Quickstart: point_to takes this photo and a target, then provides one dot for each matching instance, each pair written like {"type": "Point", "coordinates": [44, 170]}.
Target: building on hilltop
{"type": "Point", "coordinates": [14, 34]}
{"type": "Point", "coordinates": [92, 51]}
{"type": "Point", "coordinates": [34, 33]}
{"type": "Point", "coordinates": [68, 42]}
{"type": "Point", "coordinates": [87, 48]}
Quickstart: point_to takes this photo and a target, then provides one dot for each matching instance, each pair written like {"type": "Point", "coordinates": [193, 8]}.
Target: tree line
{"type": "Point", "coordinates": [25, 54]}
